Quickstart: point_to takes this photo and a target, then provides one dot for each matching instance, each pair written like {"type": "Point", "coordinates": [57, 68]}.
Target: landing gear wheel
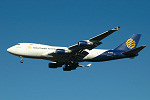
{"type": "Point", "coordinates": [21, 59]}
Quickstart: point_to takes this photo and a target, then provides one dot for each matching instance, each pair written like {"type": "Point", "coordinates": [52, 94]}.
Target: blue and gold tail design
{"type": "Point", "coordinates": [130, 43]}
{"type": "Point", "coordinates": [126, 50]}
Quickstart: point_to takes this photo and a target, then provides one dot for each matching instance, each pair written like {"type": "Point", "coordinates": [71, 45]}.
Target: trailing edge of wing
{"type": "Point", "coordinates": [134, 51]}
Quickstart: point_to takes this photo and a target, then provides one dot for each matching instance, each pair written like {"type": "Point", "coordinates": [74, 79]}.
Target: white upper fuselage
{"type": "Point", "coordinates": [40, 51]}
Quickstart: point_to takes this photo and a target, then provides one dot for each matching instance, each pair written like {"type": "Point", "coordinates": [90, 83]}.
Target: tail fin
{"type": "Point", "coordinates": [130, 43]}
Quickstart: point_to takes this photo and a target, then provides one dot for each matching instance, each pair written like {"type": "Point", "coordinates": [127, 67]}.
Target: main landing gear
{"type": "Point", "coordinates": [21, 59]}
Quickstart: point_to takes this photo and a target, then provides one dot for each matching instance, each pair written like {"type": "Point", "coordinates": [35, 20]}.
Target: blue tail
{"type": "Point", "coordinates": [130, 43]}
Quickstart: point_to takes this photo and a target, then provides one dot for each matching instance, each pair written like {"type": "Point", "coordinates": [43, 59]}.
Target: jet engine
{"type": "Point", "coordinates": [85, 43]}
{"type": "Point", "coordinates": [70, 67]}
{"type": "Point", "coordinates": [62, 51]}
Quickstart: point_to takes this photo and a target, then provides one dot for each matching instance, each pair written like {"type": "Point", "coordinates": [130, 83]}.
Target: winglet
{"type": "Point", "coordinates": [117, 28]}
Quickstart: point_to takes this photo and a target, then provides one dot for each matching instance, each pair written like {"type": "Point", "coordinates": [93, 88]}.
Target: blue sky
{"type": "Point", "coordinates": [64, 23]}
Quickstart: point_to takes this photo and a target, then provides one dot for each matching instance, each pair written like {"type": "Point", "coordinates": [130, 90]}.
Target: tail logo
{"type": "Point", "coordinates": [130, 43]}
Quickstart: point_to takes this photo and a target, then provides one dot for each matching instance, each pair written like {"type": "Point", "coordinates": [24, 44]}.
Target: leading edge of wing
{"type": "Point", "coordinates": [95, 39]}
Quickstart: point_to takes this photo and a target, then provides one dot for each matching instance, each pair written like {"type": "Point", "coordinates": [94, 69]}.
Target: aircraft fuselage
{"type": "Point", "coordinates": [40, 51]}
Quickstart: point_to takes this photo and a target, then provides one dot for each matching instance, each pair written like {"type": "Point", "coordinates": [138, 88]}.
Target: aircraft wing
{"type": "Point", "coordinates": [80, 50]}
{"type": "Point", "coordinates": [93, 41]}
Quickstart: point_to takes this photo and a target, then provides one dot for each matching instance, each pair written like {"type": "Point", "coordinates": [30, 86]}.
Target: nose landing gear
{"type": "Point", "coordinates": [21, 59]}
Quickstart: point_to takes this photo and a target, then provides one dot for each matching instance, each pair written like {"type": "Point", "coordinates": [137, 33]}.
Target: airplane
{"type": "Point", "coordinates": [83, 51]}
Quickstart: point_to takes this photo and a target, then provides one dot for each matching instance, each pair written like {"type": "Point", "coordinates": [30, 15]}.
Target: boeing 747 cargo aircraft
{"type": "Point", "coordinates": [83, 51]}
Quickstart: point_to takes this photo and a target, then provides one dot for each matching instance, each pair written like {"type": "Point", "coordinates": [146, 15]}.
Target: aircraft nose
{"type": "Point", "coordinates": [10, 50]}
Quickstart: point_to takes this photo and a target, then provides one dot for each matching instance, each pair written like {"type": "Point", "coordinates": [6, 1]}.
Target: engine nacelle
{"type": "Point", "coordinates": [70, 67]}
{"type": "Point", "coordinates": [55, 65]}
{"type": "Point", "coordinates": [62, 51]}
{"type": "Point", "coordinates": [85, 43]}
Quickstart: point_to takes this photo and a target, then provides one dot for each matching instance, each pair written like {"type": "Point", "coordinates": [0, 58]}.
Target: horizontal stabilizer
{"type": "Point", "coordinates": [134, 51]}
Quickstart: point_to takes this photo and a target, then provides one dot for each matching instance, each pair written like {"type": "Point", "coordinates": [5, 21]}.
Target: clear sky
{"type": "Point", "coordinates": [64, 23]}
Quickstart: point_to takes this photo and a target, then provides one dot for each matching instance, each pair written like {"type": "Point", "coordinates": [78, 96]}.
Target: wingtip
{"type": "Point", "coordinates": [117, 28]}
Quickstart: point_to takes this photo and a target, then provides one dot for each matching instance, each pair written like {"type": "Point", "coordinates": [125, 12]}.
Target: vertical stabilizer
{"type": "Point", "coordinates": [130, 43]}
